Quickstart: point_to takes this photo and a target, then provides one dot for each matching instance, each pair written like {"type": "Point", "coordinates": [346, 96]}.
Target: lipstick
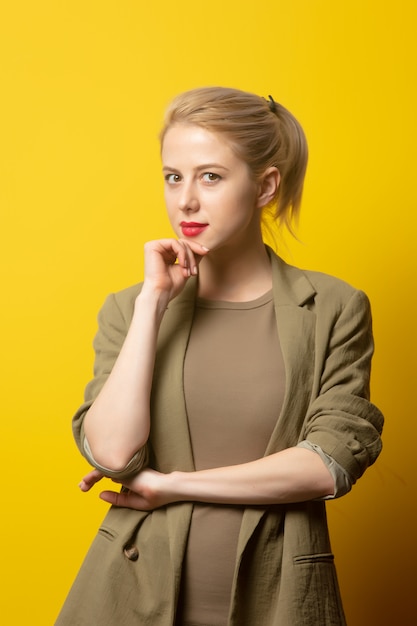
{"type": "Point", "coordinates": [192, 229]}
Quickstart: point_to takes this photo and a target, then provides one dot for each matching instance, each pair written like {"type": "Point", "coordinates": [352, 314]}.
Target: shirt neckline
{"type": "Point", "coordinates": [204, 303]}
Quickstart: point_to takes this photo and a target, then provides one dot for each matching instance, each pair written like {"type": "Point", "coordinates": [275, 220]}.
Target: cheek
{"type": "Point", "coordinates": [245, 202]}
{"type": "Point", "coordinates": [168, 197]}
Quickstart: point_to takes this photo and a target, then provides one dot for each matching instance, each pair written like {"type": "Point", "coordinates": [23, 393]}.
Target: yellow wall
{"type": "Point", "coordinates": [84, 84]}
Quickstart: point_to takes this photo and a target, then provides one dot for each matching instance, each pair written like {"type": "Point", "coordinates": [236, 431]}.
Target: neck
{"type": "Point", "coordinates": [239, 277]}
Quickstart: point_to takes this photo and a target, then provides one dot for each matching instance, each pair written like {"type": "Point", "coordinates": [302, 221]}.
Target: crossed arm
{"type": "Point", "coordinates": [293, 475]}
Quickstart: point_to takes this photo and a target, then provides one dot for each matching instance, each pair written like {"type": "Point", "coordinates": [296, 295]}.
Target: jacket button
{"type": "Point", "coordinates": [131, 552]}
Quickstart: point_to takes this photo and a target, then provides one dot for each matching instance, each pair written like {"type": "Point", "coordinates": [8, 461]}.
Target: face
{"type": "Point", "coordinates": [209, 193]}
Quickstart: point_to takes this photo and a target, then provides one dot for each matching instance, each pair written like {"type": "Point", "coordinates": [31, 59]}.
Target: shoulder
{"type": "Point", "coordinates": [315, 289]}
{"type": "Point", "coordinates": [126, 297]}
{"type": "Point", "coordinates": [120, 304]}
{"type": "Point", "coordinates": [330, 287]}
{"type": "Point", "coordinates": [325, 284]}
{"type": "Point", "coordinates": [336, 298]}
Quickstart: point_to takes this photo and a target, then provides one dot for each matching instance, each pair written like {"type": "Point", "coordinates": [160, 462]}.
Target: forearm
{"type": "Point", "coordinates": [117, 424]}
{"type": "Point", "coordinates": [293, 475]}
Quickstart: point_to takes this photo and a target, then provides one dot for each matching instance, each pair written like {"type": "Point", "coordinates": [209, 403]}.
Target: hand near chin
{"type": "Point", "coordinates": [146, 491]}
{"type": "Point", "coordinates": [169, 263]}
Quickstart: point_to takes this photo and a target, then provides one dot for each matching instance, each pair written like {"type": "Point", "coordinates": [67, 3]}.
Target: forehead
{"type": "Point", "coordinates": [194, 142]}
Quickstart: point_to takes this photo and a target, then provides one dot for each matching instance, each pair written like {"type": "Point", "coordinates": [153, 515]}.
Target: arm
{"type": "Point", "coordinates": [293, 475]}
{"type": "Point", "coordinates": [341, 421]}
{"type": "Point", "coordinates": [117, 424]}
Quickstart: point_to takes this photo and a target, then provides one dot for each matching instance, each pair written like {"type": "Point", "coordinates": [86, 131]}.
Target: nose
{"type": "Point", "coordinates": [188, 200]}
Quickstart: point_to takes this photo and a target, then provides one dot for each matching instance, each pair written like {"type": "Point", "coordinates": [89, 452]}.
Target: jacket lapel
{"type": "Point", "coordinates": [296, 330]}
{"type": "Point", "coordinates": [170, 435]}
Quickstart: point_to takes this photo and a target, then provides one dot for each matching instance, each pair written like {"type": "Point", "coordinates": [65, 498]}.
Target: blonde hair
{"type": "Point", "coordinates": [262, 133]}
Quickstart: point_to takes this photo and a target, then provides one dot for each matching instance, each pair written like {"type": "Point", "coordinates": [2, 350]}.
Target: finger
{"type": "Point", "coordinates": [167, 249]}
{"type": "Point", "coordinates": [173, 252]}
{"type": "Point", "coordinates": [113, 497]}
{"type": "Point", "coordinates": [123, 499]}
{"type": "Point", "coordinates": [196, 247]}
{"type": "Point", "coordinates": [191, 260]}
{"type": "Point", "coordinates": [90, 479]}
{"type": "Point", "coordinates": [184, 258]}
{"type": "Point", "coordinates": [195, 253]}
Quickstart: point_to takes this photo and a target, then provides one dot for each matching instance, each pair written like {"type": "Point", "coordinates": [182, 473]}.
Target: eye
{"type": "Point", "coordinates": [171, 179]}
{"type": "Point", "coordinates": [210, 177]}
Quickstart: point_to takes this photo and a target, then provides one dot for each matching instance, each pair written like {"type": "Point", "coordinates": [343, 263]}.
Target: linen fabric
{"type": "Point", "coordinates": [284, 572]}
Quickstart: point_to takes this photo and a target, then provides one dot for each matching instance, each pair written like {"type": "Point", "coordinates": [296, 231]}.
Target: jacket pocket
{"type": "Point", "coordinates": [325, 557]}
{"type": "Point", "coordinates": [108, 533]}
{"type": "Point", "coordinates": [318, 590]}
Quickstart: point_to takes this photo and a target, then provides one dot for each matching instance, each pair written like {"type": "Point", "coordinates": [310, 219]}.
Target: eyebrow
{"type": "Point", "coordinates": [199, 168]}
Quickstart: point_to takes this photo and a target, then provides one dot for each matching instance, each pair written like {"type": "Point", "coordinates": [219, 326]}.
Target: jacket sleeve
{"type": "Point", "coordinates": [113, 325]}
{"type": "Point", "coordinates": [341, 419]}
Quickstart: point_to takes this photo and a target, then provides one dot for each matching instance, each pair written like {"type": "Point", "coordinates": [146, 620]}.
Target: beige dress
{"type": "Point", "coordinates": [234, 387]}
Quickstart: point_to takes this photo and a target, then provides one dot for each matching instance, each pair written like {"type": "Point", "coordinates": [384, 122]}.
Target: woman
{"type": "Point", "coordinates": [230, 398]}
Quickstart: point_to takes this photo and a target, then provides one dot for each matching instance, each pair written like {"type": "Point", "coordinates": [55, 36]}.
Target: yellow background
{"type": "Point", "coordinates": [84, 85]}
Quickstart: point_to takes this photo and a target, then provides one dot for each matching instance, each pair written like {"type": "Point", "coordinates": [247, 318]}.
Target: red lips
{"type": "Point", "coordinates": [192, 229]}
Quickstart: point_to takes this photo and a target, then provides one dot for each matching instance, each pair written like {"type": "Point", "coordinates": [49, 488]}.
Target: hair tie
{"type": "Point", "coordinates": [272, 105]}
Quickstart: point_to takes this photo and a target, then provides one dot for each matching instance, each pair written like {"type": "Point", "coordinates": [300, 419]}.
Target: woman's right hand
{"type": "Point", "coordinates": [118, 422]}
{"type": "Point", "coordinates": [168, 265]}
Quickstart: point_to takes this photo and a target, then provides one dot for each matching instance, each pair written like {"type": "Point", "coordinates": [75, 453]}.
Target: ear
{"type": "Point", "coordinates": [268, 186]}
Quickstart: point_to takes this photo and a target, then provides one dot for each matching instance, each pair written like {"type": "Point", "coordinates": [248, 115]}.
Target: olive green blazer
{"type": "Point", "coordinates": [285, 574]}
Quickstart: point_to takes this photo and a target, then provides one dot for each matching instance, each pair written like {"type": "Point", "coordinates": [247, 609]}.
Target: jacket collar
{"type": "Point", "coordinates": [290, 286]}
{"type": "Point", "coordinates": [170, 436]}
{"type": "Point", "coordinates": [295, 323]}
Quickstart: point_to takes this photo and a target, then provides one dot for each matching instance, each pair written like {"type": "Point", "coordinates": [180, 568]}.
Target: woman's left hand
{"type": "Point", "coordinates": [292, 475]}
{"type": "Point", "coordinates": [147, 490]}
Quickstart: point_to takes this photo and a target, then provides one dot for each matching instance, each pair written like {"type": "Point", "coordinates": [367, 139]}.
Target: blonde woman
{"type": "Point", "coordinates": [230, 397]}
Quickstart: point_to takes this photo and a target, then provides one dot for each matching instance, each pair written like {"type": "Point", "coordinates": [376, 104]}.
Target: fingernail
{"type": "Point", "coordinates": [206, 249]}
{"type": "Point", "coordinates": [195, 269]}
